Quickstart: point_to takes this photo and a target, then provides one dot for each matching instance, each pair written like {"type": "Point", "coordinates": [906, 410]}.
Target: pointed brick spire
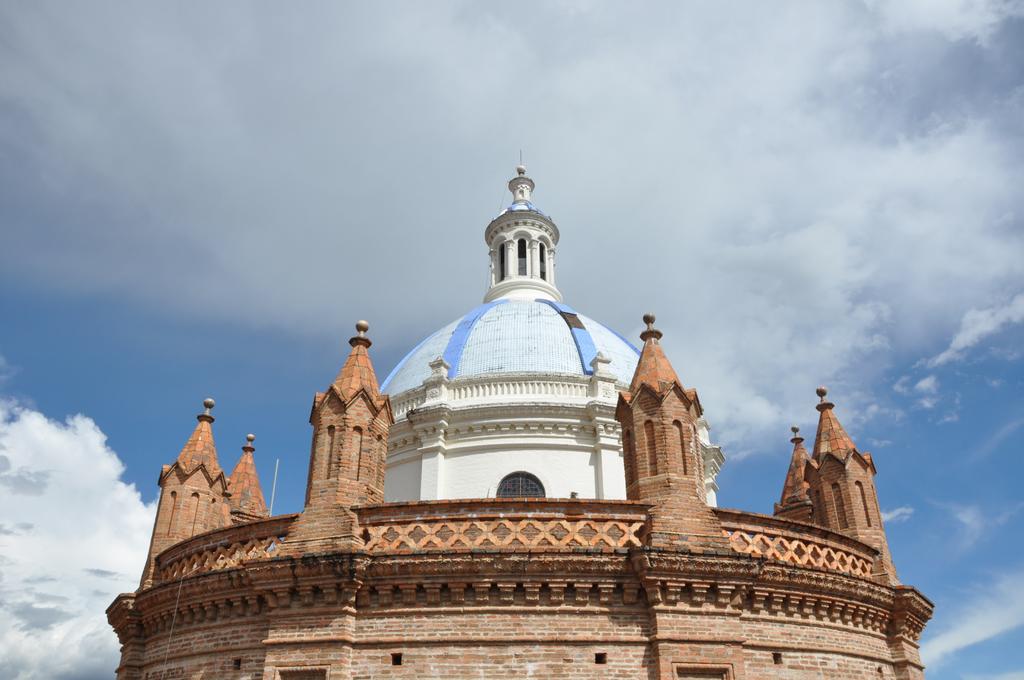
{"type": "Point", "coordinates": [347, 457]}
{"type": "Point", "coordinates": [190, 502]}
{"type": "Point", "coordinates": [662, 453]}
{"type": "Point", "coordinates": [843, 490]}
{"type": "Point", "coordinates": [795, 489]}
{"type": "Point", "coordinates": [357, 373]}
{"type": "Point", "coordinates": [796, 500]}
{"type": "Point", "coordinates": [200, 449]}
{"type": "Point", "coordinates": [653, 368]}
{"type": "Point", "coordinates": [831, 437]}
{"type": "Point", "coordinates": [244, 486]}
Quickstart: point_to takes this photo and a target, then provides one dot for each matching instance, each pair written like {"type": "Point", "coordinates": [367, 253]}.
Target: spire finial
{"type": "Point", "coordinates": [521, 186]}
{"type": "Point", "coordinates": [244, 485]}
{"type": "Point", "coordinates": [796, 435]}
{"type": "Point", "coordinates": [650, 331]}
{"type": "Point", "coordinates": [360, 338]}
{"type": "Point", "coordinates": [207, 414]}
{"type": "Point", "coordinates": [200, 449]}
{"type": "Point", "coordinates": [823, 404]}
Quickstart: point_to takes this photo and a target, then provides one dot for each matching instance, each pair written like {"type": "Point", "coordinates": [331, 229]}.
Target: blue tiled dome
{"type": "Point", "coordinates": [522, 206]}
{"type": "Point", "coordinates": [516, 336]}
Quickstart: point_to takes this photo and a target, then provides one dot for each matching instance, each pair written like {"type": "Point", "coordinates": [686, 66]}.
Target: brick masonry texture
{"type": "Point", "coordinates": [658, 586]}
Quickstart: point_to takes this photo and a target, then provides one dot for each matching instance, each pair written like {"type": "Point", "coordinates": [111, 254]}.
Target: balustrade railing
{"type": "Point", "coordinates": [519, 525]}
{"type": "Point", "coordinates": [469, 389]}
{"type": "Point", "coordinates": [795, 543]}
{"type": "Point", "coordinates": [223, 548]}
{"type": "Point", "coordinates": [512, 524]}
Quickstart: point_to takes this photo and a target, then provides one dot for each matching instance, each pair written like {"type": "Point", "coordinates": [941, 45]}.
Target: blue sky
{"type": "Point", "coordinates": [202, 201]}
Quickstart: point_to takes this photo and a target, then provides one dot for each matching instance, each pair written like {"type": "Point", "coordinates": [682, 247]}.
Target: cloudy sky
{"type": "Point", "coordinates": [201, 200]}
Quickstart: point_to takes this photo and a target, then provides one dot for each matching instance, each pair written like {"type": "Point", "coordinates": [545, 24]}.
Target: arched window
{"type": "Point", "coordinates": [195, 514]}
{"type": "Point", "coordinates": [329, 457]}
{"type": "Point", "coordinates": [501, 262]}
{"type": "Point", "coordinates": [682, 444]}
{"type": "Point", "coordinates": [837, 497]}
{"type": "Point", "coordinates": [543, 262]}
{"type": "Point", "coordinates": [174, 510]}
{"type": "Point", "coordinates": [520, 485]}
{"type": "Point", "coordinates": [521, 248]}
{"type": "Point", "coordinates": [380, 468]}
{"type": "Point", "coordinates": [652, 450]}
{"type": "Point", "coordinates": [864, 502]}
{"type": "Point", "coordinates": [357, 441]}
{"type": "Point", "coordinates": [627, 449]}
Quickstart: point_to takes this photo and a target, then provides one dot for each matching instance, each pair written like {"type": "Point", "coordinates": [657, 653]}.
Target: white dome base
{"type": "Point", "coordinates": [459, 439]}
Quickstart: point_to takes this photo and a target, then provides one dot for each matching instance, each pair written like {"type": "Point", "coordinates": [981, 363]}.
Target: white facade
{"type": "Point", "coordinates": [522, 383]}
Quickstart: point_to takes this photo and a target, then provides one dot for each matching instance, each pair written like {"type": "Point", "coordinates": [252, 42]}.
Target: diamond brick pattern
{"type": "Point", "coordinates": [801, 551]}
{"type": "Point", "coordinates": [221, 557]}
{"type": "Point", "coordinates": [454, 535]}
{"type": "Point", "coordinates": [223, 549]}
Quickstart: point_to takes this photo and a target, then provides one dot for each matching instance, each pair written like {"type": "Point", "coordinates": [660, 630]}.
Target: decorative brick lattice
{"type": "Point", "coordinates": [450, 534]}
{"type": "Point", "coordinates": [800, 551]}
{"type": "Point", "coordinates": [217, 557]}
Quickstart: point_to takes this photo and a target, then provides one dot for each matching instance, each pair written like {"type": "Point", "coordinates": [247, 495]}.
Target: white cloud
{"type": "Point", "coordinates": [972, 521]}
{"type": "Point", "coordinates": [996, 608]}
{"type": "Point", "coordinates": [902, 386]}
{"type": "Point", "coordinates": [927, 387]}
{"type": "Point", "coordinates": [900, 514]}
{"type": "Point", "coordinates": [955, 19]}
{"type": "Point", "coordinates": [73, 535]}
{"type": "Point", "coordinates": [995, 440]}
{"type": "Point", "coordinates": [806, 208]}
{"type": "Point", "coordinates": [1012, 675]}
{"type": "Point", "coordinates": [975, 522]}
{"type": "Point", "coordinates": [978, 324]}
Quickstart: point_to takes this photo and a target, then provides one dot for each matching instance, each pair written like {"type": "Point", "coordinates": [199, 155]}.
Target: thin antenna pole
{"type": "Point", "coordinates": [273, 489]}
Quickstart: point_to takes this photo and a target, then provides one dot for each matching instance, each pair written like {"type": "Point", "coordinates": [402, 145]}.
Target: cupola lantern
{"type": "Point", "coordinates": [522, 242]}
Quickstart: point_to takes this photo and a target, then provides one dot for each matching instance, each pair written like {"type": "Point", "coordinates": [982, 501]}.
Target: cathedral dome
{"type": "Point", "coordinates": [517, 396]}
{"type": "Point", "coordinates": [515, 335]}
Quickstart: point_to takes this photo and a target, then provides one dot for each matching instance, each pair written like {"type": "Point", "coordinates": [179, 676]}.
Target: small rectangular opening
{"type": "Point", "coordinates": [572, 320]}
{"type": "Point", "coordinates": [396, 658]}
{"type": "Point", "coordinates": [237, 664]}
{"type": "Point", "coordinates": [702, 674]}
{"type": "Point", "coordinates": [777, 658]}
{"type": "Point", "coordinates": [601, 658]}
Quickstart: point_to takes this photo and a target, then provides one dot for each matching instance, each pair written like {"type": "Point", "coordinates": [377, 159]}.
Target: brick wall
{"type": "Point", "coordinates": [516, 615]}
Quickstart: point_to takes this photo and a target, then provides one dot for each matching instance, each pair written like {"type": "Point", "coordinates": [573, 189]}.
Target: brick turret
{"type": "Point", "coordinates": [796, 500]}
{"type": "Point", "coordinates": [350, 423]}
{"type": "Point", "coordinates": [661, 452]}
{"type": "Point", "coordinates": [247, 503]}
{"type": "Point", "coordinates": [193, 493]}
{"type": "Point", "coordinates": [841, 482]}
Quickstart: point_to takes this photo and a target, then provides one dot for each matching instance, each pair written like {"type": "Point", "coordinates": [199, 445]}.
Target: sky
{"type": "Point", "coordinates": [200, 200]}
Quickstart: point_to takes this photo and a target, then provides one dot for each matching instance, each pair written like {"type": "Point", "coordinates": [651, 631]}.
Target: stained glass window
{"type": "Point", "coordinates": [520, 485]}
